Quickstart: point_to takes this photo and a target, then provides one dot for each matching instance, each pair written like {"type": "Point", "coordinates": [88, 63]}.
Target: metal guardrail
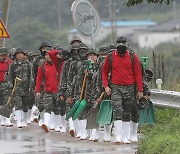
{"type": "Point", "coordinates": [163, 98]}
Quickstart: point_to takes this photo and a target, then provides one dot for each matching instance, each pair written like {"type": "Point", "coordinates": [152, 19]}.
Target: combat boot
{"type": "Point", "coordinates": [77, 128]}
{"type": "Point", "coordinates": [71, 127]}
{"type": "Point", "coordinates": [3, 121]}
{"type": "Point", "coordinates": [125, 132]}
{"type": "Point", "coordinates": [83, 129]}
{"type": "Point", "coordinates": [118, 131]}
{"type": "Point", "coordinates": [45, 125]}
{"type": "Point", "coordinates": [18, 118]}
{"type": "Point", "coordinates": [8, 122]}
{"type": "Point", "coordinates": [57, 123]}
{"type": "Point", "coordinates": [41, 121]}
{"type": "Point", "coordinates": [24, 119]}
{"type": "Point", "coordinates": [107, 133]}
{"type": "Point", "coordinates": [133, 132]}
{"type": "Point", "coordinates": [52, 121]}
{"type": "Point", "coordinates": [63, 122]}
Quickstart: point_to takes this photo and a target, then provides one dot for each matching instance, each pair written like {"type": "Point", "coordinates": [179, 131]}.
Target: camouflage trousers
{"type": "Point", "coordinates": [62, 106]}
{"type": "Point", "coordinates": [31, 99]}
{"type": "Point", "coordinates": [40, 102]}
{"type": "Point", "coordinates": [50, 103]}
{"type": "Point", "coordinates": [5, 92]}
{"type": "Point", "coordinates": [21, 102]}
{"type": "Point", "coordinates": [123, 102]}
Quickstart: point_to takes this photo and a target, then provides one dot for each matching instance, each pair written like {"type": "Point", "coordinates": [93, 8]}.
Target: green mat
{"type": "Point", "coordinates": [147, 115]}
{"type": "Point", "coordinates": [105, 113]}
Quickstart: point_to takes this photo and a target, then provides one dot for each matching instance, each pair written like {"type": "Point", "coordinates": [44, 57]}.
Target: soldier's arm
{"type": "Point", "coordinates": [10, 77]}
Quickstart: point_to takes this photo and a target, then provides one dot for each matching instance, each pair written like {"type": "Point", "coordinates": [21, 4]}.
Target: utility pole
{"type": "Point", "coordinates": [5, 14]}
{"type": "Point", "coordinates": [111, 20]}
{"type": "Point", "coordinates": [59, 14]}
{"type": "Point", "coordinates": [174, 9]}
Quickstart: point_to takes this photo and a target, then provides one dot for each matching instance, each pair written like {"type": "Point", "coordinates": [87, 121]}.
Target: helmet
{"type": "Point", "coordinates": [92, 51]}
{"type": "Point", "coordinates": [121, 41]}
{"type": "Point", "coordinates": [103, 50]}
{"type": "Point", "coordinates": [75, 38]}
{"type": "Point", "coordinates": [74, 47]}
{"type": "Point", "coordinates": [57, 47]}
{"type": "Point", "coordinates": [44, 44]}
{"type": "Point", "coordinates": [19, 50]}
{"type": "Point", "coordinates": [82, 50]}
{"type": "Point", "coordinates": [65, 54]}
{"type": "Point", "coordinates": [149, 75]}
{"type": "Point", "coordinates": [82, 46]}
{"type": "Point", "coordinates": [3, 51]}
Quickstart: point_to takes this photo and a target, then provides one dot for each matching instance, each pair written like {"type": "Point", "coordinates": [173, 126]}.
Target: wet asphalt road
{"type": "Point", "coordinates": [33, 140]}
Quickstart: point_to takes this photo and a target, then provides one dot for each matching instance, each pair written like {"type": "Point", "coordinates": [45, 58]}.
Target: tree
{"type": "Point", "coordinates": [130, 3]}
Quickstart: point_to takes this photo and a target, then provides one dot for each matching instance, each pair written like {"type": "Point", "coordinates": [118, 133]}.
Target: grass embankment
{"type": "Point", "coordinates": [164, 136]}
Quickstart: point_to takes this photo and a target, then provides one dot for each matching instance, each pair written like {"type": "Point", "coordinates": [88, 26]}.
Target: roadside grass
{"type": "Point", "coordinates": [164, 136]}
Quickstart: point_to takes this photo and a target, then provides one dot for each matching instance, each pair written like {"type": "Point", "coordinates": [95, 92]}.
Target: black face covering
{"type": "Point", "coordinates": [121, 50]}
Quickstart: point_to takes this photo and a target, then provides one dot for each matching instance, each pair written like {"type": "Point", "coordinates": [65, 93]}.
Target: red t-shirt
{"type": "Point", "coordinates": [122, 71]}
{"type": "Point", "coordinates": [50, 78]}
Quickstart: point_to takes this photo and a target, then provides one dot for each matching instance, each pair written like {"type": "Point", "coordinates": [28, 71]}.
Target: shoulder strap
{"type": "Point", "coordinates": [43, 70]}
{"type": "Point", "coordinates": [131, 52]}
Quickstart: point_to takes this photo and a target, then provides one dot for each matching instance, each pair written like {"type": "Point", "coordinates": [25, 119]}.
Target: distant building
{"type": "Point", "coordinates": [120, 28]}
{"type": "Point", "coordinates": [168, 31]}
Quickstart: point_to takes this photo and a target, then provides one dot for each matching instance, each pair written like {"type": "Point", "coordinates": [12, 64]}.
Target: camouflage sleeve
{"type": "Point", "coordinates": [71, 74]}
{"type": "Point", "coordinates": [63, 84]}
{"type": "Point", "coordinates": [10, 77]}
{"type": "Point", "coordinates": [80, 77]}
{"type": "Point", "coordinates": [34, 69]}
{"type": "Point", "coordinates": [98, 88]}
{"type": "Point", "coordinates": [26, 75]}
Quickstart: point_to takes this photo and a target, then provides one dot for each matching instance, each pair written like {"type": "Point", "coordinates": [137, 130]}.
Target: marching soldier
{"type": "Point", "coordinates": [40, 59]}
{"type": "Point", "coordinates": [72, 79]}
{"type": "Point", "coordinates": [91, 65]}
{"type": "Point", "coordinates": [5, 62]}
{"type": "Point", "coordinates": [48, 73]}
{"type": "Point", "coordinates": [20, 68]}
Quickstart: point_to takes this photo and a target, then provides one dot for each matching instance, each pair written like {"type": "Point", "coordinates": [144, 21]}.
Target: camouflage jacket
{"type": "Point", "coordinates": [35, 64]}
{"type": "Point", "coordinates": [22, 71]}
{"type": "Point", "coordinates": [72, 73]}
{"type": "Point", "coordinates": [90, 83]}
{"type": "Point", "coordinates": [64, 78]}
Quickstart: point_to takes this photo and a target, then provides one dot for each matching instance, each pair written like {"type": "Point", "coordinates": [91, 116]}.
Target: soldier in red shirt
{"type": "Point", "coordinates": [125, 74]}
{"type": "Point", "coordinates": [48, 75]}
{"type": "Point", "coordinates": [4, 88]}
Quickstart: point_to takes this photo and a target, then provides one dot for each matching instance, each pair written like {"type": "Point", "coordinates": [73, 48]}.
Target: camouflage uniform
{"type": "Point", "coordinates": [22, 71]}
{"type": "Point", "coordinates": [90, 85]}
{"type": "Point", "coordinates": [36, 63]}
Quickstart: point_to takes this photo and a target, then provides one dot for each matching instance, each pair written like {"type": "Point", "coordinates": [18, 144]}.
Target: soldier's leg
{"type": "Point", "coordinates": [25, 107]}
{"type": "Point", "coordinates": [128, 104]}
{"type": "Point", "coordinates": [5, 92]}
{"type": "Point", "coordinates": [55, 114]}
{"type": "Point", "coordinates": [18, 110]}
{"type": "Point", "coordinates": [116, 99]}
{"type": "Point", "coordinates": [40, 106]}
{"type": "Point", "coordinates": [31, 103]}
{"type": "Point", "coordinates": [134, 123]}
{"type": "Point", "coordinates": [48, 103]}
